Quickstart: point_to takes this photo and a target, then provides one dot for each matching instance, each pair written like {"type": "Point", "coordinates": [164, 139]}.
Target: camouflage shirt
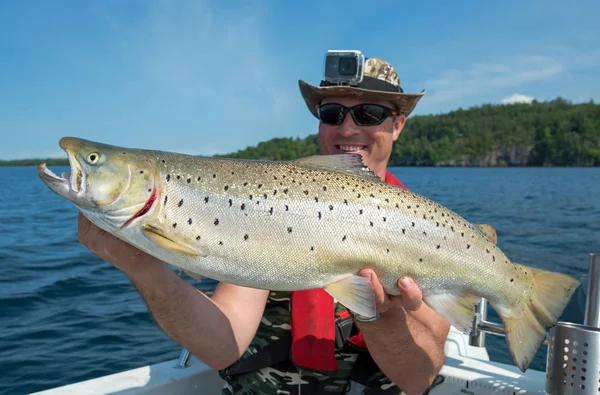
{"type": "Point", "coordinates": [284, 377]}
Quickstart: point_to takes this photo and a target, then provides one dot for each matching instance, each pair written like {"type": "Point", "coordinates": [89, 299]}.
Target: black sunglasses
{"type": "Point", "coordinates": [363, 114]}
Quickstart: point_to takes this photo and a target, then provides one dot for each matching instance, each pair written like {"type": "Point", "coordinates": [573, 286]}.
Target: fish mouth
{"type": "Point", "coordinates": [68, 183]}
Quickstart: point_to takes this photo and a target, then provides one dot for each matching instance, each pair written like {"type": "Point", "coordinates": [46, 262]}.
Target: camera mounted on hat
{"type": "Point", "coordinates": [347, 67]}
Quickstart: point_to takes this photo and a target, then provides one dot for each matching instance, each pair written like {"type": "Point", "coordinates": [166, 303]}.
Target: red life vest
{"type": "Point", "coordinates": [314, 324]}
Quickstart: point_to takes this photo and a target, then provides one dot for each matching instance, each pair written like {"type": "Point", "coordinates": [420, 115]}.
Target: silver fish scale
{"type": "Point", "coordinates": [314, 226]}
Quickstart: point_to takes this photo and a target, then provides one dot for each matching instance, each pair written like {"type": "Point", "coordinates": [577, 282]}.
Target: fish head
{"type": "Point", "coordinates": [113, 184]}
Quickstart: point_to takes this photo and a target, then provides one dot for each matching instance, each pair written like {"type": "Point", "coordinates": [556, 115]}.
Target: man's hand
{"type": "Point", "coordinates": [110, 248]}
{"type": "Point", "coordinates": [410, 298]}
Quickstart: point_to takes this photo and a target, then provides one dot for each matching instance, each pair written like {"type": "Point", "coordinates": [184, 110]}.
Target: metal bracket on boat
{"type": "Point", "coordinates": [184, 357]}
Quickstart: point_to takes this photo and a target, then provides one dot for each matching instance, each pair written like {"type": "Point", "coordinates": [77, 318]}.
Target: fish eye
{"type": "Point", "coordinates": [93, 158]}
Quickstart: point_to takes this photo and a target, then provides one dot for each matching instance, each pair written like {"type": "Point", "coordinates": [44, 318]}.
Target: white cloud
{"type": "Point", "coordinates": [517, 98]}
{"type": "Point", "coordinates": [483, 78]}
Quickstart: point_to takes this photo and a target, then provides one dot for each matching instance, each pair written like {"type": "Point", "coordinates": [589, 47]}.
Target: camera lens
{"type": "Point", "coordinates": [347, 66]}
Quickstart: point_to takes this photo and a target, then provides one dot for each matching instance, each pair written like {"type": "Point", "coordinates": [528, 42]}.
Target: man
{"type": "Point", "coordinates": [303, 342]}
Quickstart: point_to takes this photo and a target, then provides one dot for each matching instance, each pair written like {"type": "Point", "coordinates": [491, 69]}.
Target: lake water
{"type": "Point", "coordinates": [67, 316]}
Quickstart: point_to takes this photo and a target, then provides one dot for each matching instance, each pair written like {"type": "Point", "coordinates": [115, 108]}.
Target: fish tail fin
{"type": "Point", "coordinates": [525, 325]}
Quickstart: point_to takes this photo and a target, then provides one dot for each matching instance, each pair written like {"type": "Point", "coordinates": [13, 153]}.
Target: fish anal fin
{"type": "Point", "coordinates": [489, 232]}
{"type": "Point", "coordinates": [158, 236]}
{"type": "Point", "coordinates": [457, 309]}
{"type": "Point", "coordinates": [351, 164]}
{"type": "Point", "coordinates": [355, 293]}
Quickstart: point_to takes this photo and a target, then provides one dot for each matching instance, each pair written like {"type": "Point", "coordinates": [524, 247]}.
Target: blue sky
{"type": "Point", "coordinates": [208, 77]}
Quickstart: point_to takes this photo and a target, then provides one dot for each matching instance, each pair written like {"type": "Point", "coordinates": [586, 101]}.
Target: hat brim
{"type": "Point", "coordinates": [313, 95]}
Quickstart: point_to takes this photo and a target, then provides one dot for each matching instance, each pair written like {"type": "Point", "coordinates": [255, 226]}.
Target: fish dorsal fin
{"type": "Point", "coordinates": [346, 163]}
{"type": "Point", "coordinates": [489, 232]}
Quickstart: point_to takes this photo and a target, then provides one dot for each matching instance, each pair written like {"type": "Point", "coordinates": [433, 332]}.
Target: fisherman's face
{"type": "Point", "coordinates": [373, 143]}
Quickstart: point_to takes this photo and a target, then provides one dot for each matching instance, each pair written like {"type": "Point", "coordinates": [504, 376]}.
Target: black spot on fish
{"type": "Point", "coordinates": [216, 221]}
{"type": "Point", "coordinates": [420, 259]}
{"type": "Point", "coordinates": [230, 202]}
{"type": "Point", "coordinates": [214, 176]}
{"type": "Point", "coordinates": [312, 248]}
{"type": "Point", "coordinates": [168, 177]}
{"type": "Point", "coordinates": [285, 191]}
{"type": "Point", "coordinates": [226, 187]}
{"type": "Point", "coordinates": [271, 211]}
{"type": "Point", "coordinates": [141, 171]}
{"type": "Point", "coordinates": [408, 207]}
{"type": "Point", "coordinates": [289, 229]}
{"type": "Point", "coordinates": [220, 243]}
{"type": "Point", "coordinates": [245, 237]}
{"type": "Point", "coordinates": [324, 188]}
{"type": "Point", "coordinates": [397, 205]}
{"type": "Point", "coordinates": [360, 211]}
{"type": "Point", "coordinates": [175, 225]}
{"type": "Point", "coordinates": [180, 203]}
{"type": "Point", "coordinates": [259, 186]}
{"type": "Point", "coordinates": [413, 224]}
{"type": "Point", "coordinates": [190, 221]}
{"type": "Point", "coordinates": [462, 234]}
{"type": "Point", "coordinates": [494, 258]}
{"type": "Point", "coordinates": [387, 250]}
{"type": "Point", "coordinates": [425, 233]}
{"type": "Point", "coordinates": [437, 224]}
{"type": "Point", "coordinates": [512, 279]}
{"type": "Point", "coordinates": [468, 246]}
{"type": "Point", "coordinates": [163, 161]}
{"type": "Point", "coordinates": [265, 195]}
{"type": "Point", "coordinates": [403, 231]}
{"type": "Point", "coordinates": [245, 184]}
{"type": "Point", "coordinates": [487, 250]}
{"type": "Point", "coordinates": [388, 200]}
{"type": "Point", "coordinates": [372, 195]}
{"type": "Point", "coordinates": [165, 202]}
{"type": "Point", "coordinates": [198, 179]}
{"type": "Point", "coordinates": [178, 177]}
{"type": "Point", "coordinates": [306, 192]}
{"type": "Point", "coordinates": [197, 237]}
{"type": "Point", "coordinates": [346, 202]}
{"type": "Point", "coordinates": [358, 196]}
{"type": "Point", "coordinates": [287, 208]}
{"type": "Point", "coordinates": [383, 219]}
{"type": "Point", "coordinates": [344, 238]}
{"type": "Point", "coordinates": [316, 199]}
{"type": "Point", "coordinates": [149, 190]}
{"type": "Point", "coordinates": [189, 180]}
{"type": "Point", "coordinates": [320, 215]}
{"type": "Point", "coordinates": [206, 199]}
{"type": "Point", "coordinates": [438, 246]}
{"type": "Point", "coordinates": [330, 207]}
{"type": "Point", "coordinates": [371, 222]}
{"type": "Point", "coordinates": [243, 206]}
{"type": "Point", "coordinates": [251, 197]}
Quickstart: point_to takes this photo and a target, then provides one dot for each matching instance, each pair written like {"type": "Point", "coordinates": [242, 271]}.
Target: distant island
{"type": "Point", "coordinates": [552, 133]}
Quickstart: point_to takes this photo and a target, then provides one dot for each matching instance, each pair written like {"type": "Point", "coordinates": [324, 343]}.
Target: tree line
{"type": "Point", "coordinates": [551, 133]}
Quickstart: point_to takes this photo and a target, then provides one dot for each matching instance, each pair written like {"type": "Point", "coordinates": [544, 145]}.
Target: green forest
{"type": "Point", "coordinates": [552, 133]}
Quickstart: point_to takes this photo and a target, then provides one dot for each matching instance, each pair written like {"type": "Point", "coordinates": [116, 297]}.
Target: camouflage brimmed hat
{"type": "Point", "coordinates": [380, 82]}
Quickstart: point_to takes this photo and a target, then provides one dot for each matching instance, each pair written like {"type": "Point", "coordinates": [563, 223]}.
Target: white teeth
{"type": "Point", "coordinates": [351, 147]}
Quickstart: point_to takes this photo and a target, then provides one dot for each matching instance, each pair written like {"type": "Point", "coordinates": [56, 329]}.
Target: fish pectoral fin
{"type": "Point", "coordinates": [457, 309]}
{"type": "Point", "coordinates": [346, 163]}
{"type": "Point", "coordinates": [355, 293]}
{"type": "Point", "coordinates": [489, 232]}
{"type": "Point", "coordinates": [159, 237]}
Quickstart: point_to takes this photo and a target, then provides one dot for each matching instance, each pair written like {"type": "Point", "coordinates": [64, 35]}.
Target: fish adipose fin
{"type": "Point", "coordinates": [489, 232]}
{"type": "Point", "coordinates": [525, 326]}
{"type": "Point", "coordinates": [161, 238]}
{"type": "Point", "coordinates": [355, 293]}
{"type": "Point", "coordinates": [457, 309]}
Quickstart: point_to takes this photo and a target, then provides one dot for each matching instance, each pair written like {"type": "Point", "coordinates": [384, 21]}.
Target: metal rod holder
{"type": "Point", "coordinates": [592, 305]}
{"type": "Point", "coordinates": [184, 357]}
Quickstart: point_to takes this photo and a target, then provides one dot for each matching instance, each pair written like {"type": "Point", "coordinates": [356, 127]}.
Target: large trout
{"type": "Point", "coordinates": [310, 223]}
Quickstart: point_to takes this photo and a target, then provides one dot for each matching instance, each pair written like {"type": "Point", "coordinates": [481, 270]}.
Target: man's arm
{"type": "Point", "coordinates": [407, 341]}
{"type": "Point", "coordinates": [217, 331]}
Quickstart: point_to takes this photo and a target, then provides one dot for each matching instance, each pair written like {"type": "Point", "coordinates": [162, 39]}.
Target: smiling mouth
{"type": "Point", "coordinates": [350, 148]}
{"type": "Point", "coordinates": [73, 181]}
